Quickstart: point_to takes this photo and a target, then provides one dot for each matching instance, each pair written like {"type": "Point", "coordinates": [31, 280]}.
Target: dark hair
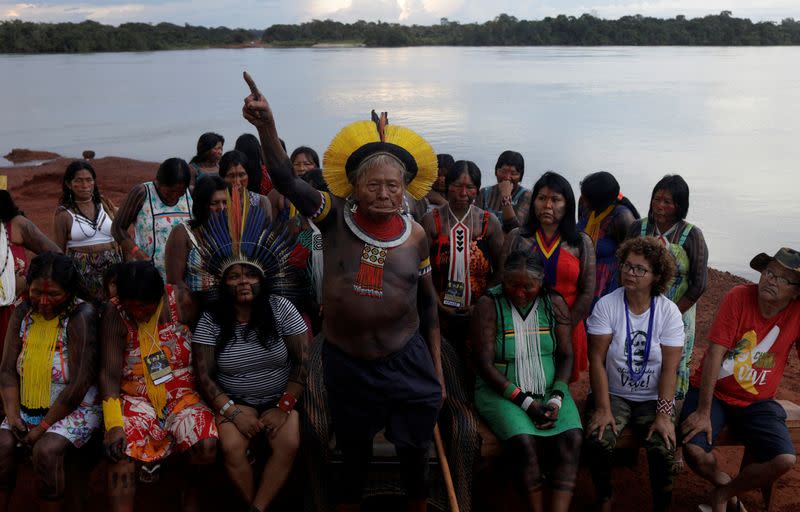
{"type": "Point", "coordinates": [201, 197]}
{"type": "Point", "coordinates": [206, 143]}
{"type": "Point", "coordinates": [524, 260]}
{"type": "Point", "coordinates": [445, 161]}
{"type": "Point", "coordinates": [315, 178]}
{"type": "Point", "coordinates": [679, 189]}
{"type": "Point", "coordinates": [60, 269]}
{"type": "Point", "coordinates": [567, 227]}
{"type": "Point", "coordinates": [230, 159]}
{"type": "Point", "coordinates": [248, 144]}
{"type": "Point", "coordinates": [662, 263]}
{"type": "Point", "coordinates": [67, 198]}
{"type": "Point", "coordinates": [139, 280]}
{"type": "Point", "coordinates": [305, 150]}
{"type": "Point", "coordinates": [223, 312]}
{"type": "Point", "coordinates": [509, 157]}
{"type": "Point", "coordinates": [459, 169]}
{"type": "Point", "coordinates": [8, 209]}
{"type": "Point", "coordinates": [109, 275]}
{"type": "Point", "coordinates": [601, 190]}
{"type": "Point", "coordinates": [174, 171]}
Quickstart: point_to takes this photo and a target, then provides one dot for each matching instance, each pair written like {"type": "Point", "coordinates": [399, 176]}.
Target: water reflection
{"type": "Point", "coordinates": [724, 118]}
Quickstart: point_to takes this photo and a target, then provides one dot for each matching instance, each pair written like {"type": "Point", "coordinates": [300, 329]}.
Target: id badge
{"type": "Point", "coordinates": [158, 367]}
{"type": "Point", "coordinates": [454, 295]}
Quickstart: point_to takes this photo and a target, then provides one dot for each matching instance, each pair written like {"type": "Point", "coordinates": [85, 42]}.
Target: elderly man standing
{"type": "Point", "coordinates": [750, 341]}
{"type": "Point", "coordinates": [380, 302]}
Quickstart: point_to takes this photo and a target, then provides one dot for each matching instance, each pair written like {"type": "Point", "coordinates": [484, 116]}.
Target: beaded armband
{"type": "Point", "coordinates": [112, 413]}
{"type": "Point", "coordinates": [425, 267]}
{"type": "Point", "coordinates": [665, 406]}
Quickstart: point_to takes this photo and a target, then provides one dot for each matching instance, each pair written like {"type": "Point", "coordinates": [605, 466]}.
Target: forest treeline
{"type": "Point", "coordinates": [504, 30]}
{"type": "Point", "coordinates": [587, 30]}
{"type": "Point", "coordinates": [89, 36]}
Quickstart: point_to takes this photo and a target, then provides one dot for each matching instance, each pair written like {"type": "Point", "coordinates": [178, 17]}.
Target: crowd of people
{"type": "Point", "coordinates": [180, 324]}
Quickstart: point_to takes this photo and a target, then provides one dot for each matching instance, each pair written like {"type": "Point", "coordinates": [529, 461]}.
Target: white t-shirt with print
{"type": "Point", "coordinates": [608, 317]}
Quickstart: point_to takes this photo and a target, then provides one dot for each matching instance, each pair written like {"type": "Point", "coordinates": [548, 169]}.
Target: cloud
{"type": "Point", "coordinates": [262, 13]}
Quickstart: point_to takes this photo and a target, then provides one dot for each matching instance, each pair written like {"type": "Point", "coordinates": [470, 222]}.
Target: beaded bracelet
{"type": "Point", "coordinates": [225, 407]}
{"type": "Point", "coordinates": [287, 403]}
{"type": "Point", "coordinates": [665, 406]}
{"type": "Point", "coordinates": [45, 426]}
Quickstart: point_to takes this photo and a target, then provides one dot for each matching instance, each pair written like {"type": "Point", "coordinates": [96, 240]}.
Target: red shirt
{"type": "Point", "coordinates": [758, 347]}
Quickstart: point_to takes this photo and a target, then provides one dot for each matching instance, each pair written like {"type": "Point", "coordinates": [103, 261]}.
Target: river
{"type": "Point", "coordinates": [724, 118]}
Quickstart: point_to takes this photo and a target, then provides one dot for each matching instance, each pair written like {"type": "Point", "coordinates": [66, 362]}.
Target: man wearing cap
{"type": "Point", "coordinates": [750, 340]}
{"type": "Point", "coordinates": [381, 351]}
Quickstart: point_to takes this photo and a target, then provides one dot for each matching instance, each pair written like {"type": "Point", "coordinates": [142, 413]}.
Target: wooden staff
{"type": "Point", "coordinates": [445, 466]}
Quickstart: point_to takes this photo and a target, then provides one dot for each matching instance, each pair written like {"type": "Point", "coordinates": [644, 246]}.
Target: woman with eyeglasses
{"type": "Point", "coordinates": [635, 343]}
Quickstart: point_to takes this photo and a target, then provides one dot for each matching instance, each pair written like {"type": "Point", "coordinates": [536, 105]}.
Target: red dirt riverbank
{"type": "Point", "coordinates": [36, 189]}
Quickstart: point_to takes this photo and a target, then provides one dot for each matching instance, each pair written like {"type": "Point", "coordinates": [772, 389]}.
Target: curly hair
{"type": "Point", "coordinates": [661, 262]}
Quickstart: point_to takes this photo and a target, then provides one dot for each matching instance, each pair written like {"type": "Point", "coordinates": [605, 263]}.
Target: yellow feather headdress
{"type": "Point", "coordinates": [359, 140]}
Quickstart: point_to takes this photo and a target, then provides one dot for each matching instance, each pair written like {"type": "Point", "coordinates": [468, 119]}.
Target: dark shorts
{"type": "Point", "coordinates": [400, 392]}
{"type": "Point", "coordinates": [761, 426]}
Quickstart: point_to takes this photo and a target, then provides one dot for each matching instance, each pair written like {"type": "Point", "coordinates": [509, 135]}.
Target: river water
{"type": "Point", "coordinates": [724, 118]}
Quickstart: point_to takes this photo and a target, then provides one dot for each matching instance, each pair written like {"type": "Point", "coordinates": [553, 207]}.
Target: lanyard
{"type": "Point", "coordinates": [636, 376]}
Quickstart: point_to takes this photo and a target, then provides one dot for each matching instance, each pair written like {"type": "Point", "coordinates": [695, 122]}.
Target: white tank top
{"type": "Point", "coordinates": [84, 233]}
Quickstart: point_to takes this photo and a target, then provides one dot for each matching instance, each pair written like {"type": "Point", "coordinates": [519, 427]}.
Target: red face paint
{"type": "Point", "coordinates": [48, 294]}
{"type": "Point", "coordinates": [140, 311]}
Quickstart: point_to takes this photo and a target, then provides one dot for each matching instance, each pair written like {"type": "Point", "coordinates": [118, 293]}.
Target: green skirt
{"type": "Point", "coordinates": [507, 420]}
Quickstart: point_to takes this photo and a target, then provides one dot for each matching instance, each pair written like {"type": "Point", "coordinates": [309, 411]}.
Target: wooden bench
{"type": "Point", "coordinates": [491, 446]}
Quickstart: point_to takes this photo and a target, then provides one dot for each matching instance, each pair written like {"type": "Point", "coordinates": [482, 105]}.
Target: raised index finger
{"type": "Point", "coordinates": [251, 84]}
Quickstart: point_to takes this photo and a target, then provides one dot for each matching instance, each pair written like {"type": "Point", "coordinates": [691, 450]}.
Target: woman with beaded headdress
{"type": "Point", "coordinates": [46, 378]}
{"type": "Point", "coordinates": [151, 408]}
{"type": "Point", "coordinates": [82, 225]}
{"type": "Point", "coordinates": [381, 349]}
{"type": "Point", "coordinates": [250, 347]}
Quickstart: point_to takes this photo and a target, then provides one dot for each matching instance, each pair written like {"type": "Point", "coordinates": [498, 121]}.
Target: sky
{"type": "Point", "coordinates": [260, 14]}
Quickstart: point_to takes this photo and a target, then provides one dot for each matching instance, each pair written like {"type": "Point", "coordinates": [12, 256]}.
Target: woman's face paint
{"type": "Point", "coordinates": [522, 286]}
{"type": "Point", "coordinates": [243, 282]}
{"type": "Point", "coordinates": [47, 297]}
{"type": "Point", "coordinates": [139, 310]}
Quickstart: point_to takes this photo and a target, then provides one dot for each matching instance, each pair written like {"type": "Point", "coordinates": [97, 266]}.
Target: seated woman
{"type": "Point", "coordinates": [46, 378]}
{"type": "Point", "coordinates": [605, 215]}
{"type": "Point", "coordinates": [250, 350]}
{"type": "Point", "coordinates": [183, 258]}
{"type": "Point", "coordinates": [635, 341]}
{"type": "Point", "coordinates": [522, 342]}
{"type": "Point", "coordinates": [150, 405]}
{"type": "Point", "coordinates": [666, 220]}
{"type": "Point", "coordinates": [206, 160]}
{"type": "Point", "coordinates": [461, 271]}
{"type": "Point", "coordinates": [17, 234]}
{"type": "Point", "coordinates": [82, 226]}
{"type": "Point", "coordinates": [567, 255]}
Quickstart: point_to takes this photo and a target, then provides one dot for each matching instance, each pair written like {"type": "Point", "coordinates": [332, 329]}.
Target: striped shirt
{"type": "Point", "coordinates": [246, 370]}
